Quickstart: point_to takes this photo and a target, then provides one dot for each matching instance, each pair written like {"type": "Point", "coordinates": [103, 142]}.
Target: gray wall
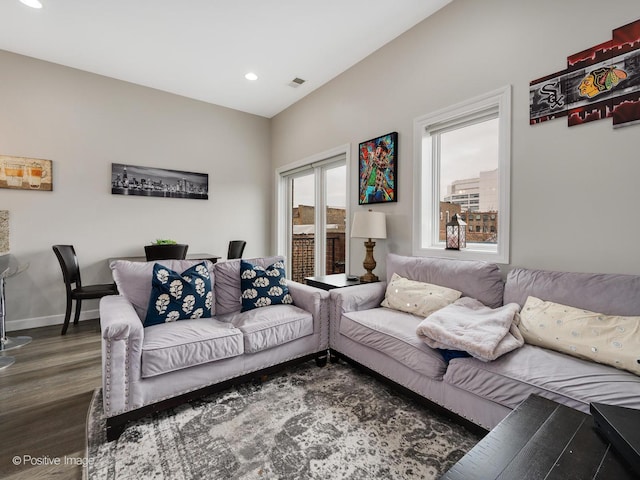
{"type": "Point", "coordinates": [573, 189]}
{"type": "Point", "coordinates": [84, 122]}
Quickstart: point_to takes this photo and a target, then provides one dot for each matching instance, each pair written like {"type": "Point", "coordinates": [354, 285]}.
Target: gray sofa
{"type": "Point", "coordinates": [152, 368]}
{"type": "Point", "coordinates": [385, 340]}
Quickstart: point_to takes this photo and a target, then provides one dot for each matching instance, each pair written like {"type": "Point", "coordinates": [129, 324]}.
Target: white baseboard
{"type": "Point", "coordinates": [13, 325]}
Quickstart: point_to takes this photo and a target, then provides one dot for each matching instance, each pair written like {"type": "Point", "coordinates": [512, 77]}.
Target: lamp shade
{"type": "Point", "coordinates": [369, 225]}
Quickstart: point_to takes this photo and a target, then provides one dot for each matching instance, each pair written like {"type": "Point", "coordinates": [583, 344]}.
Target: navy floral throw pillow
{"type": "Point", "coordinates": [179, 296]}
{"type": "Point", "coordinates": [262, 287]}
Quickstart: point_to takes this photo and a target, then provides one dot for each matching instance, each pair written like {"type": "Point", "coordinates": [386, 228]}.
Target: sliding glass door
{"type": "Point", "coordinates": [302, 252]}
{"type": "Point", "coordinates": [312, 218]}
{"type": "Point", "coordinates": [335, 219]}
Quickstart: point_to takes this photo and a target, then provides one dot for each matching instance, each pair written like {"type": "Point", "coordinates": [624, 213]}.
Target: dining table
{"type": "Point", "coordinates": [190, 256]}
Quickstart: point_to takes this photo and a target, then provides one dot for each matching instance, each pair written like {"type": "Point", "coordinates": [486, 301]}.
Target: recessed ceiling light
{"type": "Point", "coordinates": [251, 76]}
{"type": "Point", "coordinates": [32, 3]}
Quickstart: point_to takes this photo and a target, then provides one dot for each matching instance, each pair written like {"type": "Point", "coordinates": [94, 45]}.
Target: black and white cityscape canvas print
{"type": "Point", "coordinates": [158, 182]}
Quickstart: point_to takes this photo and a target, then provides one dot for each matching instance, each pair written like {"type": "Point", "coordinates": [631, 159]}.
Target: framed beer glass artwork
{"type": "Point", "coordinates": [22, 173]}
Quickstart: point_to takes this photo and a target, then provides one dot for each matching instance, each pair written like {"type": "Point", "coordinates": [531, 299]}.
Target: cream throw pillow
{"type": "Point", "coordinates": [609, 339]}
{"type": "Point", "coordinates": [419, 298]}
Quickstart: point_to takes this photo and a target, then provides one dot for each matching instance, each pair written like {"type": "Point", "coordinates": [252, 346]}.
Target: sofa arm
{"type": "Point", "coordinates": [352, 299]}
{"type": "Point", "coordinates": [122, 336]}
{"type": "Point", "coordinates": [315, 301]}
{"type": "Point", "coordinates": [358, 297]}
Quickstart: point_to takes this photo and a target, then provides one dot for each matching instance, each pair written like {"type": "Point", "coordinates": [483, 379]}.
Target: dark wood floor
{"type": "Point", "coordinates": [44, 398]}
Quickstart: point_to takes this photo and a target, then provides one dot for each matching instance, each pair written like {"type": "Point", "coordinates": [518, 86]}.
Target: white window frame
{"type": "Point", "coordinates": [426, 189]}
{"type": "Point", "coordinates": [316, 163]}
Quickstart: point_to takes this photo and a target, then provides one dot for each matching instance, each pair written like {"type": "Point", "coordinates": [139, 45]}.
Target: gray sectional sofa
{"type": "Point", "coordinates": [152, 368]}
{"type": "Point", "coordinates": [385, 340]}
{"type": "Point", "coordinates": [148, 369]}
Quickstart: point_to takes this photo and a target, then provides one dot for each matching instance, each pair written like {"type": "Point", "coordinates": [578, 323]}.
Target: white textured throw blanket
{"type": "Point", "coordinates": [469, 325]}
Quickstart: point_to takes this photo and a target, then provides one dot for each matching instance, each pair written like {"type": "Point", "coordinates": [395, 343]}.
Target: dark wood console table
{"type": "Point", "coordinates": [542, 439]}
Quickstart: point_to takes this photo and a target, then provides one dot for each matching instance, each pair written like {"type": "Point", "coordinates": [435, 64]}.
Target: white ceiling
{"type": "Point", "coordinates": [202, 48]}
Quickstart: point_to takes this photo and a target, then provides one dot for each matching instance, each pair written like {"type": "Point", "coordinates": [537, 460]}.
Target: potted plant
{"type": "Point", "coordinates": [165, 249]}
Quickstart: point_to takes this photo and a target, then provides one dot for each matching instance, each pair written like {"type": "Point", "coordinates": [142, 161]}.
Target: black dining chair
{"type": "Point", "coordinates": [236, 247]}
{"type": "Point", "coordinates": [71, 274]}
{"type": "Point", "coordinates": [176, 251]}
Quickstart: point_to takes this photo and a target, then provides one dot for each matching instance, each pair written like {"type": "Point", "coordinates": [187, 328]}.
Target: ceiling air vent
{"type": "Point", "coordinates": [296, 82]}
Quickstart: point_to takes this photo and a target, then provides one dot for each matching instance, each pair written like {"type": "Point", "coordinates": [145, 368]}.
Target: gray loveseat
{"type": "Point", "coordinates": [385, 341]}
{"type": "Point", "coordinates": [152, 368]}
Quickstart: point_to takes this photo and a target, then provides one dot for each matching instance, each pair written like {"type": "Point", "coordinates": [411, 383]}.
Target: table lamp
{"type": "Point", "coordinates": [369, 225]}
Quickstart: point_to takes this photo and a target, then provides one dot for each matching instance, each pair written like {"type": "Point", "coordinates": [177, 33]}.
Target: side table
{"type": "Point", "coordinates": [9, 267]}
{"type": "Point", "coordinates": [329, 282]}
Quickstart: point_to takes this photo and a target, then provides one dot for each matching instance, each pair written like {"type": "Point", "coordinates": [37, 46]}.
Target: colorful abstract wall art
{"type": "Point", "coordinates": [600, 82]}
{"type": "Point", "coordinates": [378, 163]}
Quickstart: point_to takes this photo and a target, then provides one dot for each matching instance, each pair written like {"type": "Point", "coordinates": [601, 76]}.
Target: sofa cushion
{"type": "Point", "coordinates": [133, 280]}
{"type": "Point", "coordinates": [174, 346]}
{"type": "Point", "coordinates": [611, 294]}
{"type": "Point", "coordinates": [226, 290]}
{"type": "Point", "coordinates": [610, 339]}
{"type": "Point", "coordinates": [179, 296]}
{"type": "Point", "coordinates": [510, 379]}
{"type": "Point", "coordinates": [475, 279]}
{"type": "Point", "coordinates": [264, 328]}
{"type": "Point", "coordinates": [393, 333]}
{"type": "Point", "coordinates": [419, 298]}
{"type": "Point", "coordinates": [263, 286]}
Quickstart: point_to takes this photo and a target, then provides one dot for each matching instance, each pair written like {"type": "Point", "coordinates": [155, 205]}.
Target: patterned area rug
{"type": "Point", "coordinates": [305, 423]}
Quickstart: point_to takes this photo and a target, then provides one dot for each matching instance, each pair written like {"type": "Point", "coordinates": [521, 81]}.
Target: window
{"type": "Point", "coordinates": [464, 148]}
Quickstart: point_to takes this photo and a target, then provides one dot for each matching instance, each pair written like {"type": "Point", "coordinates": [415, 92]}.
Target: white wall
{"type": "Point", "coordinates": [573, 189]}
{"type": "Point", "coordinates": [83, 123]}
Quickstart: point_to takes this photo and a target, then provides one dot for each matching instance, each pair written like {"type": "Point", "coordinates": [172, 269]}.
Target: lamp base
{"type": "Point", "coordinates": [369, 278]}
{"type": "Point", "coordinates": [369, 263]}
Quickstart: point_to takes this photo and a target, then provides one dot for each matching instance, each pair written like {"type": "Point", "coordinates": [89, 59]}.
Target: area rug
{"type": "Point", "coordinates": [305, 423]}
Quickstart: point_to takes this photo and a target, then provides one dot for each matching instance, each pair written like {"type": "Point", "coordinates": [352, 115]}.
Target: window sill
{"type": "Point", "coordinates": [493, 255]}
